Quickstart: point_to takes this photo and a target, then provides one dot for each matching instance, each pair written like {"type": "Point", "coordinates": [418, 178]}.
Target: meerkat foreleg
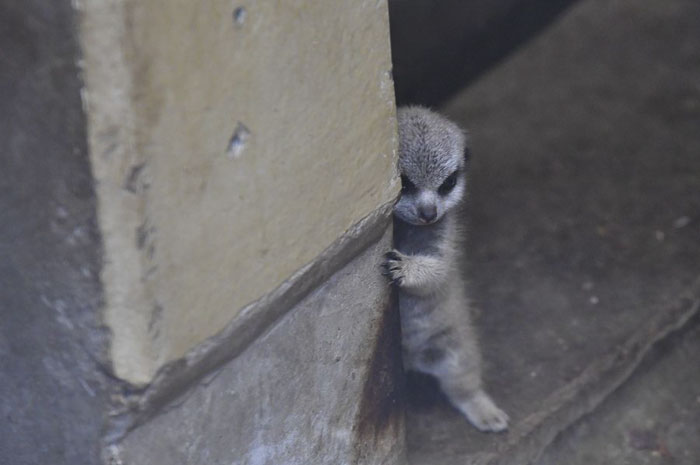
{"type": "Point", "coordinates": [416, 274]}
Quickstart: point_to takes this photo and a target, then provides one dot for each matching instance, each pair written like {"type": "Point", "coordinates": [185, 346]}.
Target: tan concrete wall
{"type": "Point", "coordinates": [194, 231]}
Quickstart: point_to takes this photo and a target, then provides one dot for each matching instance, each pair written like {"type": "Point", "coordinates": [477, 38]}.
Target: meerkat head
{"type": "Point", "coordinates": [432, 158]}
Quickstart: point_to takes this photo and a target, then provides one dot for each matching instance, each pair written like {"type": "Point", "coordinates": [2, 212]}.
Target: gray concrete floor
{"type": "Point", "coordinates": [654, 419]}
{"type": "Point", "coordinates": [584, 217]}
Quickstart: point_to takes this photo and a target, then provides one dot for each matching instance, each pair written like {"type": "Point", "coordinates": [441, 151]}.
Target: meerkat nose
{"type": "Point", "coordinates": [427, 213]}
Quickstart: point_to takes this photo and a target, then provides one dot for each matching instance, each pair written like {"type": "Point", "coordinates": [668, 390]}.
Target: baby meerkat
{"type": "Point", "coordinates": [438, 338]}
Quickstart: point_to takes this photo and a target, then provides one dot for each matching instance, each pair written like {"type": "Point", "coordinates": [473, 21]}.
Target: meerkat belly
{"type": "Point", "coordinates": [433, 325]}
{"type": "Point", "coordinates": [419, 322]}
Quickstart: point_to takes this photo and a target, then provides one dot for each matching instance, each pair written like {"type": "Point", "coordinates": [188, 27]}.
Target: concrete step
{"type": "Point", "coordinates": [653, 419]}
{"type": "Point", "coordinates": [584, 221]}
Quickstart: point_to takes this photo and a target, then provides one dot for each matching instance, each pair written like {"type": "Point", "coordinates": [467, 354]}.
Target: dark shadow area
{"type": "Point", "coordinates": [439, 47]}
{"type": "Point", "coordinates": [423, 392]}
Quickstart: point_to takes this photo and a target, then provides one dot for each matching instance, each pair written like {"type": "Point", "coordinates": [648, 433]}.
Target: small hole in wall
{"type": "Point", "coordinates": [239, 16]}
{"type": "Point", "coordinates": [238, 141]}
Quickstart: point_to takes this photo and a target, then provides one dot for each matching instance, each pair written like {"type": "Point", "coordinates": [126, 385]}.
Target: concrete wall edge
{"type": "Point", "coordinates": [133, 406]}
{"type": "Point", "coordinates": [115, 163]}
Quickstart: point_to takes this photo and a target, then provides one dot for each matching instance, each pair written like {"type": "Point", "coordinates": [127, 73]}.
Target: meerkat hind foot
{"type": "Point", "coordinates": [483, 413]}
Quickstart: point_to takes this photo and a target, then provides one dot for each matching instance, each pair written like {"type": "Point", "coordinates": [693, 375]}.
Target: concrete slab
{"type": "Point", "coordinates": [654, 419]}
{"type": "Point", "coordinates": [584, 220]}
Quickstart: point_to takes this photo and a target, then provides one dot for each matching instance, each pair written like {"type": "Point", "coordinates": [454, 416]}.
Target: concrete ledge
{"type": "Point", "coordinates": [322, 385]}
{"type": "Point", "coordinates": [651, 419]}
{"type": "Point", "coordinates": [134, 407]}
{"type": "Point", "coordinates": [587, 391]}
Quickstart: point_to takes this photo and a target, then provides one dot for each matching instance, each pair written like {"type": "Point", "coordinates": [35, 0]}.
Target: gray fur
{"type": "Point", "coordinates": [438, 337]}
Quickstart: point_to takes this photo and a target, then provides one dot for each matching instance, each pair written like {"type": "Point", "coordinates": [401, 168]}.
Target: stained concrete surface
{"type": "Point", "coordinates": [584, 215]}
{"type": "Point", "coordinates": [654, 419]}
{"type": "Point", "coordinates": [53, 386]}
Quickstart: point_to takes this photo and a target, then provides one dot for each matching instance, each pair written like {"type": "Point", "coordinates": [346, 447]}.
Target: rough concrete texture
{"type": "Point", "coordinates": [654, 419]}
{"type": "Point", "coordinates": [52, 350]}
{"type": "Point", "coordinates": [213, 129]}
{"type": "Point", "coordinates": [321, 387]}
{"type": "Point", "coordinates": [584, 219]}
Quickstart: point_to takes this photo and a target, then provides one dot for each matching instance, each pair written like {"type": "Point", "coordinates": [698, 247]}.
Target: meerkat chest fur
{"type": "Point", "coordinates": [432, 243]}
{"type": "Point", "coordinates": [431, 239]}
{"type": "Point", "coordinates": [438, 240]}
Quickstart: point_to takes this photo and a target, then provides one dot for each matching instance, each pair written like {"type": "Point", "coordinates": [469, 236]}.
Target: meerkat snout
{"type": "Point", "coordinates": [427, 213]}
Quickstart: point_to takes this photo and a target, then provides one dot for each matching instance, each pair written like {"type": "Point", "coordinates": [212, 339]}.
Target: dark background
{"type": "Point", "coordinates": [439, 47]}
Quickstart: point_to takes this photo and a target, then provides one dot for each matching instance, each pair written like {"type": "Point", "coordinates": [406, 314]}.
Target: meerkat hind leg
{"type": "Point", "coordinates": [452, 356]}
{"type": "Point", "coordinates": [476, 405]}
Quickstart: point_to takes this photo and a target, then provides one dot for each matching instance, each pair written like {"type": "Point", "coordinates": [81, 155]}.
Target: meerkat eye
{"type": "Point", "coordinates": [449, 184]}
{"type": "Point", "coordinates": [407, 187]}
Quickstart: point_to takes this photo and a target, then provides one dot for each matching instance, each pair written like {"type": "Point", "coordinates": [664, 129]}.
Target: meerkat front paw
{"type": "Point", "coordinates": [483, 413]}
{"type": "Point", "coordinates": [393, 267]}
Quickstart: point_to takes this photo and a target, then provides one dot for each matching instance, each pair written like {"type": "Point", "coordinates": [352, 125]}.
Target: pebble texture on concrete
{"type": "Point", "coordinates": [584, 219]}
